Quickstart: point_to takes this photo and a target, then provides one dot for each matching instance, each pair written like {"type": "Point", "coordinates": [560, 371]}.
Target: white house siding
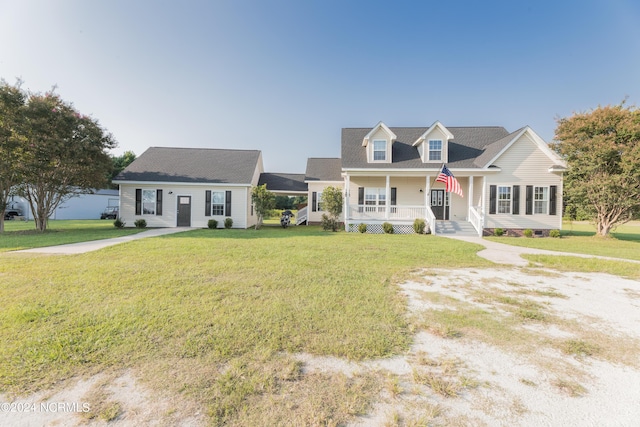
{"type": "Point", "coordinates": [169, 204]}
{"type": "Point", "coordinates": [524, 164]}
{"type": "Point", "coordinates": [477, 191]}
{"type": "Point", "coordinates": [318, 187]}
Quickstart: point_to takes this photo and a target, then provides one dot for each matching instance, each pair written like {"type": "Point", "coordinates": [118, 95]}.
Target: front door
{"type": "Point", "coordinates": [184, 211]}
{"type": "Point", "coordinates": [440, 204]}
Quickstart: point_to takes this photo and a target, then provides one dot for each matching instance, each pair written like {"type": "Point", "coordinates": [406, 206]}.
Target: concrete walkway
{"type": "Point", "coordinates": [94, 245]}
{"type": "Point", "coordinates": [502, 253]}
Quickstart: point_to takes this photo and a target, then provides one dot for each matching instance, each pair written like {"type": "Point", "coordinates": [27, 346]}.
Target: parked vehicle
{"type": "Point", "coordinates": [10, 214]}
{"type": "Point", "coordinates": [285, 219]}
{"type": "Point", "coordinates": [110, 212]}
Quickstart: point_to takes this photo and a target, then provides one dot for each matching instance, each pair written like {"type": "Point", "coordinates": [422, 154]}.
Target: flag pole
{"type": "Point", "coordinates": [434, 179]}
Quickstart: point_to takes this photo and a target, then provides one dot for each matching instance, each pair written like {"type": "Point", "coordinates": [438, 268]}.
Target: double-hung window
{"type": "Point", "coordinates": [148, 202]}
{"type": "Point", "coordinates": [375, 199]}
{"type": "Point", "coordinates": [504, 200]}
{"type": "Point", "coordinates": [380, 150]}
{"type": "Point", "coordinates": [540, 200]}
{"type": "Point", "coordinates": [217, 203]}
{"type": "Point", "coordinates": [435, 149]}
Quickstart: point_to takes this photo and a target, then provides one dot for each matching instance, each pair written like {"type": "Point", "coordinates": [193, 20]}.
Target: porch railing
{"type": "Point", "coordinates": [302, 216]}
{"type": "Point", "coordinates": [431, 219]}
{"type": "Point", "coordinates": [377, 212]}
{"type": "Point", "coordinates": [476, 219]}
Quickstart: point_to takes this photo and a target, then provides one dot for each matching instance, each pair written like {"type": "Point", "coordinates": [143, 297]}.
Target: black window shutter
{"type": "Point", "coordinates": [492, 199]}
{"type": "Point", "coordinates": [314, 200]}
{"type": "Point", "coordinates": [138, 201]}
{"type": "Point", "coordinates": [207, 203]}
{"type": "Point", "coordinates": [553, 190]}
{"type": "Point", "coordinates": [227, 203]}
{"type": "Point", "coordinates": [394, 191]}
{"type": "Point", "coordinates": [158, 202]}
{"type": "Point", "coordinates": [529, 208]}
{"type": "Point", "coordinates": [360, 198]}
{"type": "Point", "coordinates": [515, 203]}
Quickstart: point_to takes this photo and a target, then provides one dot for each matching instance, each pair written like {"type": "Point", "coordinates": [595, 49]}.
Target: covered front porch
{"type": "Point", "coordinates": [400, 200]}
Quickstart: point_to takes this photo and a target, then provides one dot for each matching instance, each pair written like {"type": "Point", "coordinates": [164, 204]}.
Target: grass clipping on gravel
{"type": "Point", "coordinates": [223, 298]}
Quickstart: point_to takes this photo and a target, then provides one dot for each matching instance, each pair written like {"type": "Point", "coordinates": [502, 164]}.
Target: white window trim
{"type": "Point", "coordinates": [545, 200]}
{"type": "Point", "coordinates": [154, 192]}
{"type": "Point", "coordinates": [381, 196]}
{"type": "Point", "coordinates": [429, 150]}
{"type": "Point", "coordinates": [373, 151]}
{"type": "Point", "coordinates": [498, 200]}
{"type": "Point", "coordinates": [218, 204]}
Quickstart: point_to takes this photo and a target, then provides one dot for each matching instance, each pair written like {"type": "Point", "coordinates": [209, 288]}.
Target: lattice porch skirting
{"type": "Point", "coordinates": [377, 229]}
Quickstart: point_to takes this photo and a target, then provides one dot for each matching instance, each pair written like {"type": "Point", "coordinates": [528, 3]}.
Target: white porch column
{"type": "Point", "coordinates": [470, 191]}
{"type": "Point", "coordinates": [484, 197]}
{"type": "Point", "coordinates": [347, 210]}
{"type": "Point", "coordinates": [427, 191]}
{"type": "Point", "coordinates": [387, 195]}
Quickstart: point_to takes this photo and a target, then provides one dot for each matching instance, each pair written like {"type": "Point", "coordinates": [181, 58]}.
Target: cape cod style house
{"type": "Point", "coordinates": [509, 180]}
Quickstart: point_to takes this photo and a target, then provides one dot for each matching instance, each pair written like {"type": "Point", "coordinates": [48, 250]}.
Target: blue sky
{"type": "Point", "coordinates": [285, 76]}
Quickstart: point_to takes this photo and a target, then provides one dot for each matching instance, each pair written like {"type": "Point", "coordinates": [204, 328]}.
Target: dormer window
{"type": "Point", "coordinates": [435, 149]}
{"type": "Point", "coordinates": [379, 150]}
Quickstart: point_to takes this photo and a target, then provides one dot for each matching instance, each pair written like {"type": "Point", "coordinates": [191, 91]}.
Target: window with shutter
{"type": "Point", "coordinates": [515, 209]}
{"type": "Point", "coordinates": [158, 202]}
{"type": "Point", "coordinates": [492, 198]}
{"type": "Point", "coordinates": [227, 204]}
{"type": "Point", "coordinates": [553, 196]}
{"type": "Point", "coordinates": [138, 201]}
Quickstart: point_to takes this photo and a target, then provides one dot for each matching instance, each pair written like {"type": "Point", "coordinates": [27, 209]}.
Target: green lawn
{"type": "Point", "coordinates": [214, 315]}
{"type": "Point", "coordinates": [580, 238]}
{"type": "Point", "coordinates": [23, 235]}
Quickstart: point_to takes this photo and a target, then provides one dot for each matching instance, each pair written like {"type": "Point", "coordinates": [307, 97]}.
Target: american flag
{"type": "Point", "coordinates": [451, 183]}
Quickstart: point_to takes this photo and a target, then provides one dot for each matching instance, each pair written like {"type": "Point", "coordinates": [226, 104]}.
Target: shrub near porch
{"type": "Point", "coordinates": [173, 304]}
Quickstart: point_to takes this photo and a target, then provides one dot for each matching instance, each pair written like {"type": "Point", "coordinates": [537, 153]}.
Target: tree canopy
{"type": "Point", "coordinates": [602, 150]}
{"type": "Point", "coordinates": [263, 200]}
{"type": "Point", "coordinates": [12, 100]}
{"type": "Point", "coordinates": [56, 152]}
{"type": "Point", "coordinates": [332, 203]}
{"type": "Point", "coordinates": [119, 164]}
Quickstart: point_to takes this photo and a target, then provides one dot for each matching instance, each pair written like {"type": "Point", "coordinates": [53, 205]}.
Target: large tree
{"type": "Point", "coordinates": [12, 101]}
{"type": "Point", "coordinates": [65, 154]}
{"type": "Point", "coordinates": [602, 149]}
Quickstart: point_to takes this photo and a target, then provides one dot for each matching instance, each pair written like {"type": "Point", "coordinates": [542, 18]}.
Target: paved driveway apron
{"type": "Point", "coordinates": [94, 245]}
{"type": "Point", "coordinates": [501, 253]}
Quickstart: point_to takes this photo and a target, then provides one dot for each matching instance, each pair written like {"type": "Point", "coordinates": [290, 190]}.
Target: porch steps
{"type": "Point", "coordinates": [458, 228]}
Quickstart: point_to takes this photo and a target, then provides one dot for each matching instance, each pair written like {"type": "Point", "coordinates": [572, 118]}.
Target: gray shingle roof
{"type": "Point", "coordinates": [283, 181]}
{"type": "Point", "coordinates": [324, 169]}
{"type": "Point", "coordinates": [202, 165]}
{"type": "Point", "coordinates": [468, 144]}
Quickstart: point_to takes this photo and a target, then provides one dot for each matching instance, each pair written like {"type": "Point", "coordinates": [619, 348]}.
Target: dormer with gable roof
{"type": "Point", "coordinates": [433, 145]}
{"type": "Point", "coordinates": [378, 144]}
